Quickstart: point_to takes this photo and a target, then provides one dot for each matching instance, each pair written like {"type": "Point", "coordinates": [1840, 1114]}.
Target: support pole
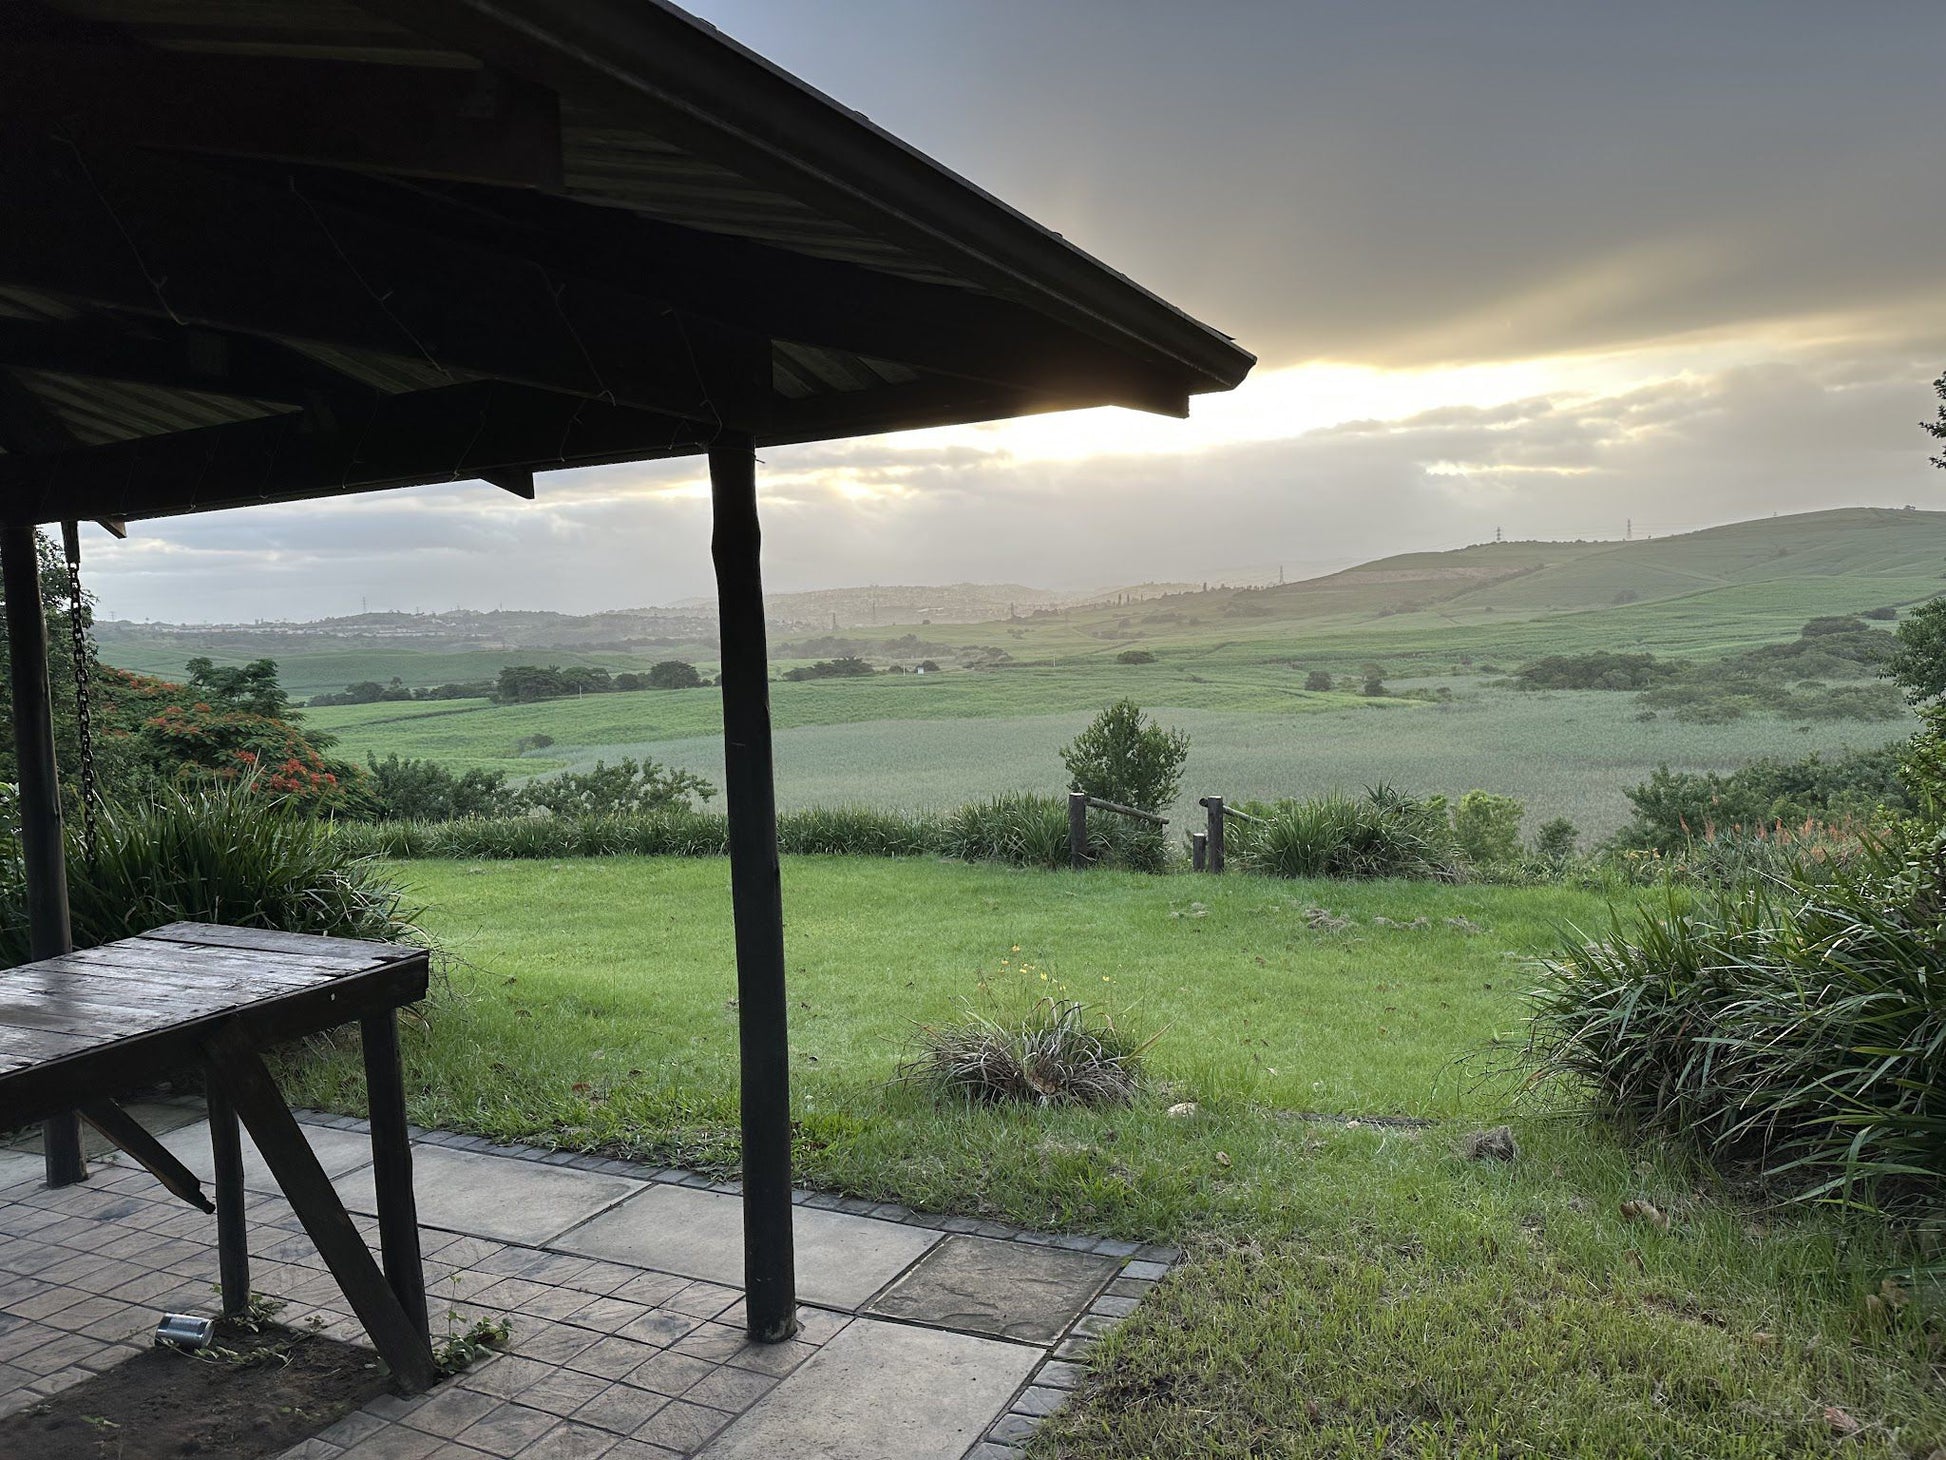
{"type": "Point", "coordinates": [1215, 805]}
{"type": "Point", "coordinates": [769, 1263]}
{"type": "Point", "coordinates": [43, 845]}
{"type": "Point", "coordinates": [1077, 829]}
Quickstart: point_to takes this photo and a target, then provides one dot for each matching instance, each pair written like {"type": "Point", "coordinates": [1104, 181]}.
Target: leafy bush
{"type": "Point", "coordinates": [1380, 834]}
{"type": "Point", "coordinates": [1135, 656]}
{"type": "Point", "coordinates": [1318, 681]}
{"type": "Point", "coordinates": [216, 854]}
{"type": "Point", "coordinates": [673, 674]}
{"type": "Point", "coordinates": [1675, 808]}
{"type": "Point", "coordinates": [624, 789]}
{"type": "Point", "coordinates": [1798, 1025]}
{"type": "Point", "coordinates": [1599, 670]}
{"type": "Point", "coordinates": [1123, 756]}
{"type": "Point", "coordinates": [425, 790]}
{"type": "Point", "coordinates": [1058, 1054]}
{"type": "Point", "coordinates": [1556, 840]}
{"type": "Point", "coordinates": [1487, 828]}
{"type": "Point", "coordinates": [848, 667]}
{"type": "Point", "coordinates": [1917, 663]}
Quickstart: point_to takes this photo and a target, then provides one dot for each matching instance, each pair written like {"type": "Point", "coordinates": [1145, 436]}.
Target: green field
{"type": "Point", "coordinates": [1351, 1289]}
{"type": "Point", "coordinates": [907, 744]}
{"type": "Point", "coordinates": [1230, 666]}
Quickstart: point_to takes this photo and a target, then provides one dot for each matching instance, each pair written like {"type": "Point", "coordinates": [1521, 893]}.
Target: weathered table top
{"type": "Point", "coordinates": [89, 1024]}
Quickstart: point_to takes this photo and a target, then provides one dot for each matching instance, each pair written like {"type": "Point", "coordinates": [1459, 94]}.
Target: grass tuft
{"type": "Point", "coordinates": [1059, 1053]}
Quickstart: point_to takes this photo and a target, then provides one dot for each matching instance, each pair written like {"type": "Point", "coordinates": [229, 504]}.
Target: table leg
{"type": "Point", "coordinates": [398, 1209]}
{"type": "Point", "coordinates": [251, 1089]}
{"type": "Point", "coordinates": [232, 1241]}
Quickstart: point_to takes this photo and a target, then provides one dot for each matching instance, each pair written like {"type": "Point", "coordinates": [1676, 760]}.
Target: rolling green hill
{"type": "Point", "coordinates": [1230, 664]}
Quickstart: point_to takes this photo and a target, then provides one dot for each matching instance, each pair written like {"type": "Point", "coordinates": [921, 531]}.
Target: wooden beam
{"type": "Point", "coordinates": [457, 433]}
{"type": "Point", "coordinates": [418, 121]}
{"type": "Point", "coordinates": [154, 1157]}
{"type": "Point", "coordinates": [158, 352]}
{"type": "Point", "coordinates": [687, 84]}
{"type": "Point", "coordinates": [757, 288]}
{"type": "Point", "coordinates": [28, 423]}
{"type": "Point", "coordinates": [175, 239]}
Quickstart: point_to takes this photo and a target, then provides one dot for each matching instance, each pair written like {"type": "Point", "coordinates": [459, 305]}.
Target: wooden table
{"type": "Point", "coordinates": [79, 1030]}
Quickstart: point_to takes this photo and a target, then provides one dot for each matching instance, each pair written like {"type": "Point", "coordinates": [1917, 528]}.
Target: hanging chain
{"type": "Point", "coordinates": [84, 719]}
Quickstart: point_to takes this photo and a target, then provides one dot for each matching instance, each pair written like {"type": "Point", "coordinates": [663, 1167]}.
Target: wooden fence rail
{"type": "Point", "coordinates": [1078, 804]}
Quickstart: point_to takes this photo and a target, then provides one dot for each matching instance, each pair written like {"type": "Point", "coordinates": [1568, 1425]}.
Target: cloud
{"type": "Point", "coordinates": [1679, 451]}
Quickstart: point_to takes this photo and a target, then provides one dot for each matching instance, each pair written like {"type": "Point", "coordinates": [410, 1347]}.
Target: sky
{"type": "Point", "coordinates": [1557, 268]}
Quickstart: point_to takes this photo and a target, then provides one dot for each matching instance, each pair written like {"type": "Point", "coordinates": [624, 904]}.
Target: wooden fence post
{"type": "Point", "coordinates": [1077, 829]}
{"type": "Point", "coordinates": [1215, 804]}
{"type": "Point", "coordinates": [1199, 850]}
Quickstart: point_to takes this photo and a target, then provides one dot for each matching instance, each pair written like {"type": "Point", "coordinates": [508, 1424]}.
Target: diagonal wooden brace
{"type": "Point", "coordinates": [252, 1091]}
{"type": "Point", "coordinates": [122, 1128]}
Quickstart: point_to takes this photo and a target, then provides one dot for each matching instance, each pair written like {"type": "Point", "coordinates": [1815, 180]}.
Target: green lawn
{"type": "Point", "coordinates": [1351, 1290]}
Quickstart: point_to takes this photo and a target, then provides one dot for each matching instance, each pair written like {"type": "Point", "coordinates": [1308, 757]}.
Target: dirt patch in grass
{"type": "Point", "coordinates": [261, 1394]}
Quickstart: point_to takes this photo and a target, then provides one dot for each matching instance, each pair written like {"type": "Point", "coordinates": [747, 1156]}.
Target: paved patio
{"type": "Point", "coordinates": [924, 1338]}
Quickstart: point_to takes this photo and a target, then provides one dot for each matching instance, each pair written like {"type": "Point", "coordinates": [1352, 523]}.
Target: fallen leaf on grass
{"type": "Point", "coordinates": [1840, 1423]}
{"type": "Point", "coordinates": [1645, 1211]}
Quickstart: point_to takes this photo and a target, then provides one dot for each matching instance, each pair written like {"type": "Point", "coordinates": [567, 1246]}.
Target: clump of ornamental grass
{"type": "Point", "coordinates": [1059, 1053]}
{"type": "Point", "coordinates": [223, 852]}
{"type": "Point", "coordinates": [1795, 1027]}
{"type": "Point", "coordinates": [1383, 833]}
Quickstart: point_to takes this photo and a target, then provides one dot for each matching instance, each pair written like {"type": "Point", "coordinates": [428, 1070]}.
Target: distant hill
{"type": "Point", "coordinates": [1700, 592]}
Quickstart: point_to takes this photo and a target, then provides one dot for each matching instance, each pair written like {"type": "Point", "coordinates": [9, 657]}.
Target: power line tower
{"type": "Point", "coordinates": [1628, 531]}
{"type": "Point", "coordinates": [1496, 535]}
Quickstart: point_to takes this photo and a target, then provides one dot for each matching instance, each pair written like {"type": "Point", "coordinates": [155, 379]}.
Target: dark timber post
{"type": "Point", "coordinates": [1215, 805]}
{"type": "Point", "coordinates": [769, 1264]}
{"type": "Point", "coordinates": [42, 843]}
{"type": "Point", "coordinates": [1199, 850]}
{"type": "Point", "coordinates": [1077, 829]}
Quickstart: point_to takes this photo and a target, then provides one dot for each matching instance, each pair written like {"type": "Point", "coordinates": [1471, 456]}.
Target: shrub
{"type": "Point", "coordinates": [1599, 670]}
{"type": "Point", "coordinates": [846, 668]}
{"type": "Point", "coordinates": [1318, 680]}
{"type": "Point", "coordinates": [1556, 840]}
{"type": "Point", "coordinates": [1380, 834]}
{"type": "Point", "coordinates": [673, 674]}
{"type": "Point", "coordinates": [1487, 828]}
{"type": "Point", "coordinates": [1123, 756]}
{"type": "Point", "coordinates": [1374, 687]}
{"type": "Point", "coordinates": [1675, 808]}
{"type": "Point", "coordinates": [1135, 656]}
{"type": "Point", "coordinates": [1057, 1054]}
{"type": "Point", "coordinates": [1796, 1025]}
{"type": "Point", "coordinates": [215, 854]}
{"type": "Point", "coordinates": [424, 790]}
{"type": "Point", "coordinates": [626, 788]}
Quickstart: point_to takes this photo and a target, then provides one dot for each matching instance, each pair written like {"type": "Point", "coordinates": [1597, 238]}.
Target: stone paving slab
{"type": "Point", "coordinates": [883, 1391]}
{"type": "Point", "coordinates": [624, 1287]}
{"type": "Point", "coordinates": [338, 1151]}
{"type": "Point", "coordinates": [491, 1196]}
{"type": "Point", "coordinates": [842, 1260]}
{"type": "Point", "coordinates": [155, 1116]}
{"type": "Point", "coordinates": [20, 1166]}
{"type": "Point", "coordinates": [1006, 1289]}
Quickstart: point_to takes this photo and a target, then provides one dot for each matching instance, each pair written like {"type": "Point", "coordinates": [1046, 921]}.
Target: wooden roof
{"type": "Point", "coordinates": [259, 251]}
